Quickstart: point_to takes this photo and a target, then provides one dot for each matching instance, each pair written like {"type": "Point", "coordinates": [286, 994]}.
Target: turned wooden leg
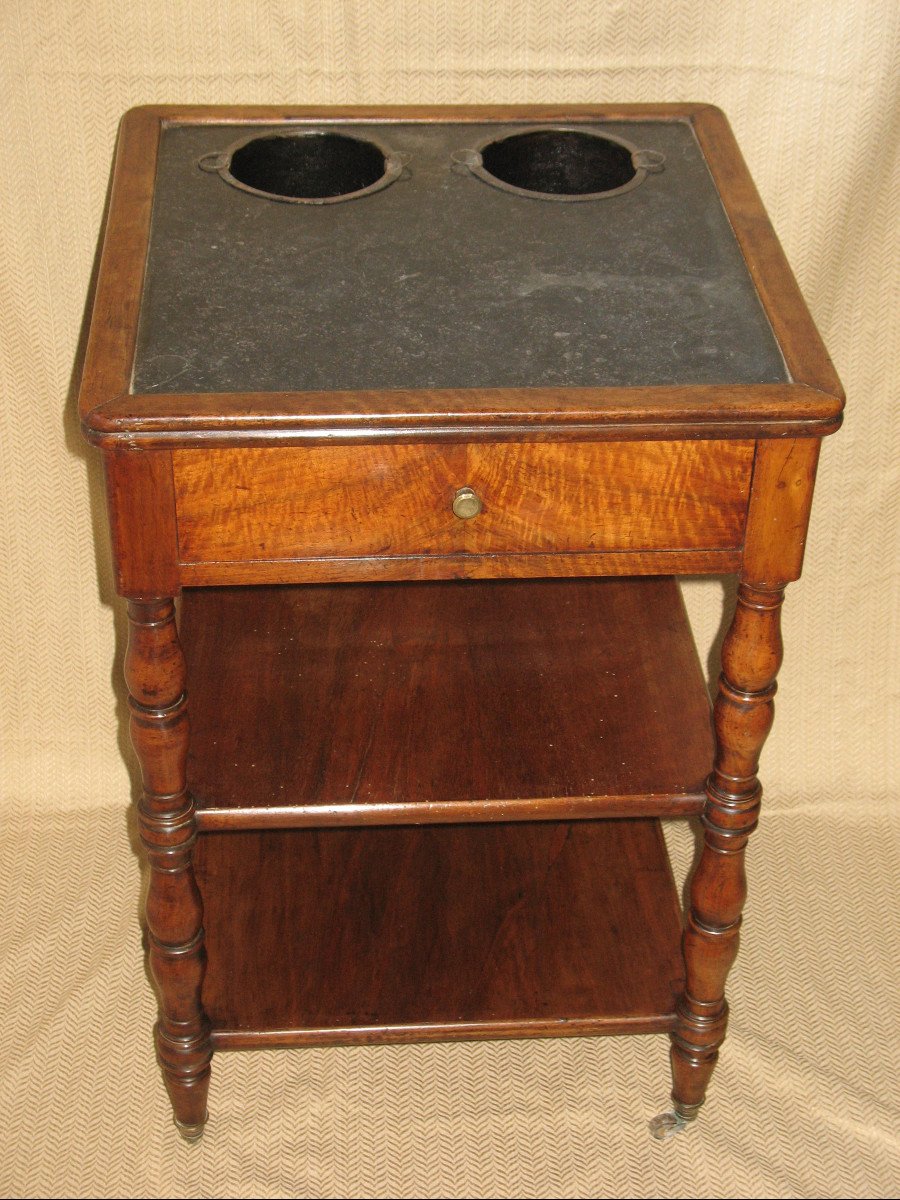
{"type": "Point", "coordinates": [751, 656]}
{"type": "Point", "coordinates": [154, 671]}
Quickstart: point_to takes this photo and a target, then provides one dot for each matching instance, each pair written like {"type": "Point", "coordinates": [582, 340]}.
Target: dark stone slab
{"type": "Point", "coordinates": [441, 281]}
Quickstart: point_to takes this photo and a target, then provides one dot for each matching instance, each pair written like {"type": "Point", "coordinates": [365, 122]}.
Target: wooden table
{"type": "Point", "coordinates": [422, 465]}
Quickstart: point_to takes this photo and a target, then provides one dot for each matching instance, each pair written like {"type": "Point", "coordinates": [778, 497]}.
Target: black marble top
{"type": "Point", "coordinates": [442, 281]}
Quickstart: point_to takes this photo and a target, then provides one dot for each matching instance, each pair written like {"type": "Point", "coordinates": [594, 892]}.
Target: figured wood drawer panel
{"type": "Point", "coordinates": [370, 501]}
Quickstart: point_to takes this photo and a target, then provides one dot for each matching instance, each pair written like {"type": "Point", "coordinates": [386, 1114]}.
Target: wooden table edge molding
{"type": "Point", "coordinates": [530, 537]}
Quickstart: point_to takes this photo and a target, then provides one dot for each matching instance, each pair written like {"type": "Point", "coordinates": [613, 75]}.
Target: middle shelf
{"type": "Point", "coordinates": [410, 703]}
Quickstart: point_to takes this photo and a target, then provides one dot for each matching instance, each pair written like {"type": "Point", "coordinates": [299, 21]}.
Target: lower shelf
{"type": "Point", "coordinates": [420, 933]}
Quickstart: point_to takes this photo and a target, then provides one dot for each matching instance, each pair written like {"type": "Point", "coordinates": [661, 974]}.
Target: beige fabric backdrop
{"type": "Point", "coordinates": [813, 95]}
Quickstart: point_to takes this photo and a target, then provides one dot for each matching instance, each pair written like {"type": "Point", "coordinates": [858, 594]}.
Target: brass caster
{"type": "Point", "coordinates": [666, 1125]}
{"type": "Point", "coordinates": [191, 1133]}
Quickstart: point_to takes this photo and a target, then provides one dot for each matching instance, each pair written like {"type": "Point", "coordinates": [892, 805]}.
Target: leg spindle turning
{"type": "Point", "coordinates": [154, 671]}
{"type": "Point", "coordinates": [751, 656]}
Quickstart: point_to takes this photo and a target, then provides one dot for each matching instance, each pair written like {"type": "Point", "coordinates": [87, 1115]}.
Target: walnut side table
{"type": "Point", "coordinates": [420, 412]}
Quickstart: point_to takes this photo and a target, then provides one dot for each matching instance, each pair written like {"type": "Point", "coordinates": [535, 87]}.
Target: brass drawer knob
{"type": "Point", "coordinates": [466, 504]}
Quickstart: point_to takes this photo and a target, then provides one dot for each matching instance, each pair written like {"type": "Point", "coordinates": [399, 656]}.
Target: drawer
{"type": "Point", "coordinates": [368, 501]}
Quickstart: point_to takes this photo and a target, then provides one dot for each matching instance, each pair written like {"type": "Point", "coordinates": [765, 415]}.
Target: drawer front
{"type": "Point", "coordinates": [368, 501]}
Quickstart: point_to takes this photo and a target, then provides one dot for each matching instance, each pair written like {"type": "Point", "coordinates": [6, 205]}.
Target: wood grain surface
{"type": "Point", "coordinates": [462, 566]}
{"type": "Point", "coordinates": [443, 701]}
{"type": "Point", "coordinates": [420, 933]}
{"type": "Point", "coordinates": [230, 419]}
{"type": "Point", "coordinates": [140, 504]}
{"type": "Point", "coordinates": [780, 504]}
{"type": "Point", "coordinates": [395, 500]}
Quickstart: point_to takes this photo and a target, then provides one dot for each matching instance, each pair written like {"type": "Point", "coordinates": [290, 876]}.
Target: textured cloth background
{"type": "Point", "coordinates": [805, 1099]}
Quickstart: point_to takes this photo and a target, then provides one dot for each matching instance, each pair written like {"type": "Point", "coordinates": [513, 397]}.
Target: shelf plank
{"type": "Point", "coordinates": [437, 702]}
{"type": "Point", "coordinates": [412, 933]}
